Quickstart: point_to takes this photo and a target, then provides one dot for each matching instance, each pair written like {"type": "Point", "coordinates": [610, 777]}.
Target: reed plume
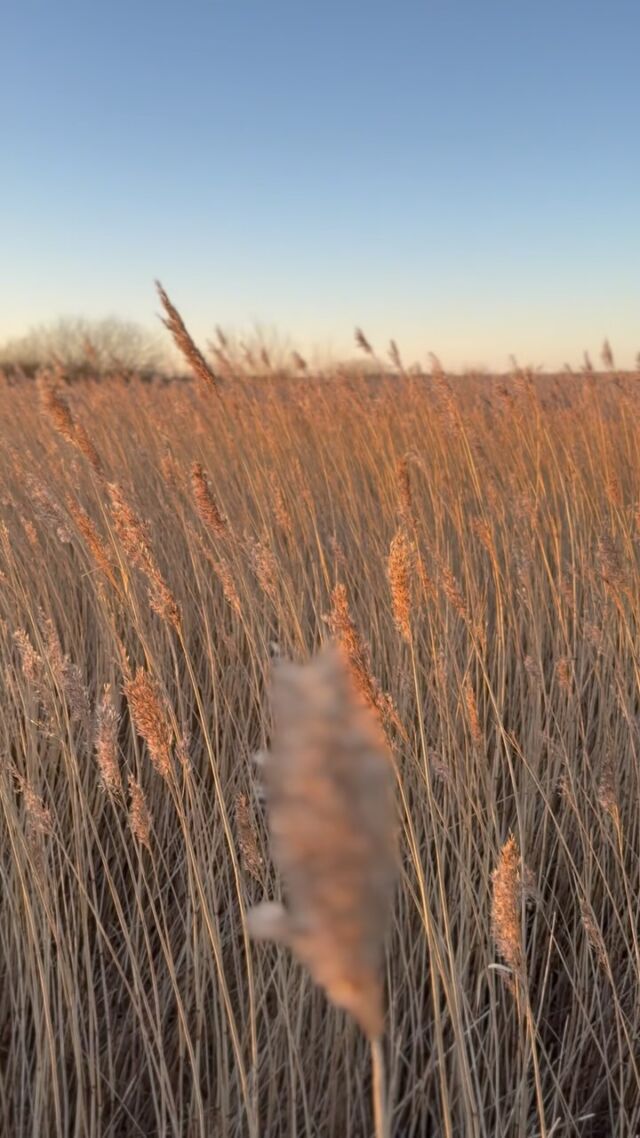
{"type": "Point", "coordinates": [106, 744]}
{"type": "Point", "coordinates": [58, 410]}
{"type": "Point", "coordinates": [135, 539]}
{"type": "Point", "coordinates": [607, 792]}
{"type": "Point", "coordinates": [46, 509]}
{"type": "Point", "coordinates": [358, 655]}
{"type": "Point", "coordinates": [330, 808]}
{"type": "Point", "coordinates": [194, 357]}
{"type": "Point", "coordinates": [251, 858]}
{"type": "Point", "coordinates": [362, 342]}
{"type": "Point", "coordinates": [401, 557]}
{"type": "Point", "coordinates": [206, 504]}
{"type": "Point", "coordinates": [139, 816]}
{"type": "Point", "coordinates": [505, 909]}
{"type": "Point", "coordinates": [151, 720]}
{"type": "Point", "coordinates": [94, 542]}
{"type": "Point", "coordinates": [223, 571]}
{"type": "Point", "coordinates": [472, 712]}
{"type": "Point", "coordinates": [264, 565]}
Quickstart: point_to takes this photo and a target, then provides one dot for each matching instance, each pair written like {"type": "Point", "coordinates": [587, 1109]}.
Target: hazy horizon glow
{"type": "Point", "coordinates": [461, 177]}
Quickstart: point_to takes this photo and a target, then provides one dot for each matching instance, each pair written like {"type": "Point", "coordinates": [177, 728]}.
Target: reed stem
{"type": "Point", "coordinates": [381, 1120]}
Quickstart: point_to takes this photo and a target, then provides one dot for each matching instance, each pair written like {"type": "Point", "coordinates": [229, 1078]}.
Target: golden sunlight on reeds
{"type": "Point", "coordinates": [345, 661]}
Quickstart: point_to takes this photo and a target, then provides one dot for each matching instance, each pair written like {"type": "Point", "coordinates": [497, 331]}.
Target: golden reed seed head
{"type": "Point", "coordinates": [358, 657]}
{"type": "Point", "coordinates": [46, 509]}
{"type": "Point", "coordinates": [139, 816]}
{"type": "Point", "coordinates": [472, 713]}
{"type": "Point", "coordinates": [265, 567]}
{"type": "Point", "coordinates": [594, 936]}
{"type": "Point", "coordinates": [96, 546]}
{"type": "Point", "coordinates": [332, 824]}
{"type": "Point", "coordinates": [251, 858]}
{"type": "Point", "coordinates": [505, 909]}
{"type": "Point", "coordinates": [563, 672]}
{"type": "Point", "coordinates": [150, 717]}
{"type": "Point", "coordinates": [611, 565]}
{"type": "Point", "coordinates": [362, 342]}
{"type": "Point", "coordinates": [38, 815]}
{"type": "Point", "coordinates": [66, 674]}
{"type": "Point", "coordinates": [227, 579]}
{"type": "Point", "coordinates": [483, 532]}
{"type": "Point", "coordinates": [279, 506]}
{"type": "Point", "coordinates": [343, 627]}
{"type": "Point", "coordinates": [400, 565]}
{"type": "Point", "coordinates": [85, 445]}
{"type": "Point", "coordinates": [163, 602]}
{"type": "Point", "coordinates": [205, 502]}
{"type": "Point", "coordinates": [31, 533]}
{"type": "Point", "coordinates": [222, 570]}
{"type": "Point", "coordinates": [175, 324]}
{"type": "Point", "coordinates": [31, 661]}
{"type": "Point", "coordinates": [58, 410]}
{"type": "Point", "coordinates": [38, 821]}
{"type": "Point", "coordinates": [56, 407]}
{"type": "Point", "coordinates": [131, 530]}
{"type": "Point", "coordinates": [106, 744]}
{"type": "Point", "coordinates": [134, 536]}
{"type": "Point", "coordinates": [453, 592]}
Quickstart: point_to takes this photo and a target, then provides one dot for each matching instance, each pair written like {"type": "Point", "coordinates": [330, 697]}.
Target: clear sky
{"type": "Point", "coordinates": [462, 175]}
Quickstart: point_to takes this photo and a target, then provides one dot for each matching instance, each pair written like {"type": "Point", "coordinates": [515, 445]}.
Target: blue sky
{"type": "Point", "coordinates": [462, 175]}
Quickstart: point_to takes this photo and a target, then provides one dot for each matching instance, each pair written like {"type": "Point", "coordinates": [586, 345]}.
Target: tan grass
{"type": "Point", "coordinates": [133, 1001]}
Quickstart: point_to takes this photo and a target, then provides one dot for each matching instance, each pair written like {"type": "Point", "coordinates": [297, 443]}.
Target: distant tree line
{"type": "Point", "coordinates": [82, 347]}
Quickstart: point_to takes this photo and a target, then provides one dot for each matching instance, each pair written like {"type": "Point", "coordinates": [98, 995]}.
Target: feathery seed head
{"type": "Point", "coordinates": [139, 817]}
{"type": "Point", "coordinates": [401, 558]}
{"type": "Point", "coordinates": [332, 825]}
{"type": "Point", "coordinates": [206, 503]}
{"type": "Point", "coordinates": [505, 910]}
{"type": "Point", "coordinates": [176, 326]}
{"type": "Point", "coordinates": [151, 720]}
{"type": "Point", "coordinates": [106, 744]}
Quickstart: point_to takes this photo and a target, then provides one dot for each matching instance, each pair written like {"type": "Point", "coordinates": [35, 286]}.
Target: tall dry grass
{"type": "Point", "coordinates": [473, 546]}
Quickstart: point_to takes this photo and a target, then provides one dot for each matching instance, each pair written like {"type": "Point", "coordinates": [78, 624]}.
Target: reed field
{"type": "Point", "coordinates": [472, 545]}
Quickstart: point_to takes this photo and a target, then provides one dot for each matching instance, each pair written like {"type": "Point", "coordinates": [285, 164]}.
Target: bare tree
{"type": "Point", "coordinates": [97, 346]}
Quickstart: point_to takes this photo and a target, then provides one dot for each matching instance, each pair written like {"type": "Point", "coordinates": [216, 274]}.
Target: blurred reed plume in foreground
{"type": "Point", "coordinates": [330, 804]}
{"type": "Point", "coordinates": [331, 814]}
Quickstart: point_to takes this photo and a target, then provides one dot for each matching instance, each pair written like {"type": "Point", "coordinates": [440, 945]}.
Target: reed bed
{"type": "Point", "coordinates": [472, 546]}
